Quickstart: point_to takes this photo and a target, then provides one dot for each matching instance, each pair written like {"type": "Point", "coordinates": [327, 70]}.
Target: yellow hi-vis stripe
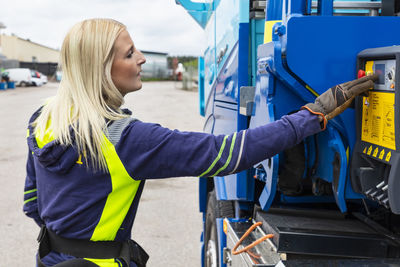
{"type": "Point", "coordinates": [46, 137]}
{"type": "Point", "coordinates": [217, 158]}
{"type": "Point", "coordinates": [229, 157]}
{"type": "Point", "coordinates": [104, 262]}
{"type": "Point", "coordinates": [30, 191]}
{"type": "Point", "coordinates": [118, 202]}
{"type": "Point", "coordinates": [29, 200]}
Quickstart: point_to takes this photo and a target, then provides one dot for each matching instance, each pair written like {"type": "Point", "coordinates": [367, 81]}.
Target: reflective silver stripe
{"type": "Point", "coordinates": [240, 152]}
{"type": "Point", "coordinates": [116, 128]}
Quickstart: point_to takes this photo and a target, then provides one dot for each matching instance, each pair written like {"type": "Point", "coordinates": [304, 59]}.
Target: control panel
{"type": "Point", "coordinates": [375, 170]}
{"type": "Point", "coordinates": [377, 126]}
{"type": "Point", "coordinates": [387, 73]}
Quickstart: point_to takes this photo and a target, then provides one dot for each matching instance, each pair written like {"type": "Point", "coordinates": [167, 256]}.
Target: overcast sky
{"type": "Point", "coordinates": [154, 25]}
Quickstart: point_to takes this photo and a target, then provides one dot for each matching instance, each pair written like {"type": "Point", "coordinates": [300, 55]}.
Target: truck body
{"type": "Point", "coordinates": [334, 198]}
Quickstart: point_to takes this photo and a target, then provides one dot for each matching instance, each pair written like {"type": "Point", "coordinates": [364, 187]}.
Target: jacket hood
{"type": "Point", "coordinates": [53, 156]}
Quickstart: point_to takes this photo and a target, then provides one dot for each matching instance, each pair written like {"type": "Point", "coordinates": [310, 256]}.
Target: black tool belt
{"type": "Point", "coordinates": [127, 251]}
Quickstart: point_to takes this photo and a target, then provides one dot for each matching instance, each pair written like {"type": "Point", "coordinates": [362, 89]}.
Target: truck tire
{"type": "Point", "coordinates": [215, 209]}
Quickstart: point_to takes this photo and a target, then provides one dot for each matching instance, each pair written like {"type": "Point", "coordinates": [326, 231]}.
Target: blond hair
{"type": "Point", "coordinates": [86, 96]}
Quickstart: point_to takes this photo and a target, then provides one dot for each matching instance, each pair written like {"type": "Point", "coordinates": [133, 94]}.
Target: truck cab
{"type": "Point", "coordinates": [333, 197]}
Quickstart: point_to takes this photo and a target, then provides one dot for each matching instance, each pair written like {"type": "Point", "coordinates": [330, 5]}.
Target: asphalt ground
{"type": "Point", "coordinates": [168, 224]}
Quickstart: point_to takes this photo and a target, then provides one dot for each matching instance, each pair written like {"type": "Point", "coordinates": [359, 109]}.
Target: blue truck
{"type": "Point", "coordinates": [333, 199]}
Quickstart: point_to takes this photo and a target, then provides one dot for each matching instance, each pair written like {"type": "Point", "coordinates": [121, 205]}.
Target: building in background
{"type": "Point", "coordinates": [14, 47]}
{"type": "Point", "coordinates": [18, 52]}
{"type": "Point", "coordinates": [156, 65]}
{"type": "Point", "coordinates": [4, 61]}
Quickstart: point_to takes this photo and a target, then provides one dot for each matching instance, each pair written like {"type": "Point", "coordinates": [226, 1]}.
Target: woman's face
{"type": "Point", "coordinates": [126, 67]}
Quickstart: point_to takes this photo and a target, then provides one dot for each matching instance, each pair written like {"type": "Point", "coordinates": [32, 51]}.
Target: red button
{"type": "Point", "coordinates": [360, 74]}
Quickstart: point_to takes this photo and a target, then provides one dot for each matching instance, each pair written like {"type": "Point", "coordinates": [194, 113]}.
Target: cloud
{"type": "Point", "coordinates": [158, 25]}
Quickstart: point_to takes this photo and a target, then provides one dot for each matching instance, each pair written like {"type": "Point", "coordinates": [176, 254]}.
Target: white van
{"type": "Point", "coordinates": [21, 76]}
{"type": "Point", "coordinates": [35, 78]}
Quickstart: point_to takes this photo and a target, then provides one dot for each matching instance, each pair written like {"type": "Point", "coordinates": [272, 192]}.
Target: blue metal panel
{"type": "Point", "coordinates": [243, 67]}
{"type": "Point", "coordinates": [304, 50]}
{"type": "Point", "coordinates": [276, 86]}
{"type": "Point", "coordinates": [226, 89]}
{"type": "Point", "coordinates": [220, 184]}
{"type": "Point", "coordinates": [233, 74]}
{"type": "Point", "coordinates": [194, 6]}
{"type": "Point", "coordinates": [222, 240]}
{"type": "Point", "coordinates": [297, 7]}
{"type": "Point", "coordinates": [200, 11]}
{"type": "Point", "coordinates": [312, 42]}
{"type": "Point", "coordinates": [202, 246]}
{"type": "Point", "coordinates": [210, 68]}
{"type": "Point", "coordinates": [263, 114]}
{"type": "Point", "coordinates": [227, 30]}
{"type": "Point", "coordinates": [335, 143]}
{"type": "Point", "coordinates": [201, 86]}
{"type": "Point", "coordinates": [321, 51]}
{"type": "Point", "coordinates": [257, 38]}
{"type": "Point", "coordinates": [203, 193]}
{"type": "Point", "coordinates": [245, 186]}
{"type": "Point", "coordinates": [226, 124]}
{"type": "Point", "coordinates": [274, 10]}
{"type": "Point", "coordinates": [325, 7]}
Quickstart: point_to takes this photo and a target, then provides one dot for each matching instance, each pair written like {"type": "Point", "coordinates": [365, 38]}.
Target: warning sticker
{"type": "Point", "coordinates": [378, 120]}
{"type": "Point", "coordinates": [388, 156]}
{"type": "Point", "coordinates": [382, 154]}
{"type": "Point", "coordinates": [375, 152]}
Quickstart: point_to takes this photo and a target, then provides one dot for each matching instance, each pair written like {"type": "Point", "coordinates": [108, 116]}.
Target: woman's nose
{"type": "Point", "coordinates": [142, 59]}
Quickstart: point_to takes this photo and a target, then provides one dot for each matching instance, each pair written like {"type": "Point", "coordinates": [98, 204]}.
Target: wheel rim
{"type": "Point", "coordinates": [211, 254]}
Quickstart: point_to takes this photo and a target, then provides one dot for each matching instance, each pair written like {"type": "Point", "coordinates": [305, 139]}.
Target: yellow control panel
{"type": "Point", "coordinates": [378, 119]}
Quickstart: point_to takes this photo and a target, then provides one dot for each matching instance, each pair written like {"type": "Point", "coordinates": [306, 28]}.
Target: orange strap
{"type": "Point", "coordinates": [255, 243]}
{"type": "Point", "coordinates": [317, 113]}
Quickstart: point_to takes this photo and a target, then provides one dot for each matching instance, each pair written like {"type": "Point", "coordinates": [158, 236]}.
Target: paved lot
{"type": "Point", "coordinates": [168, 223]}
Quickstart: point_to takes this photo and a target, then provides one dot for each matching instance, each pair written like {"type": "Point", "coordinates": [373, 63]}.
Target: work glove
{"type": "Point", "coordinates": [336, 99]}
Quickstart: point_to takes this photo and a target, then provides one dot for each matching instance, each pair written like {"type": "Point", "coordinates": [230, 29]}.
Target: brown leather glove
{"type": "Point", "coordinates": [335, 100]}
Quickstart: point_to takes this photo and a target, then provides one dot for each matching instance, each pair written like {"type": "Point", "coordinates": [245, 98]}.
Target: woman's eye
{"type": "Point", "coordinates": [130, 54]}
